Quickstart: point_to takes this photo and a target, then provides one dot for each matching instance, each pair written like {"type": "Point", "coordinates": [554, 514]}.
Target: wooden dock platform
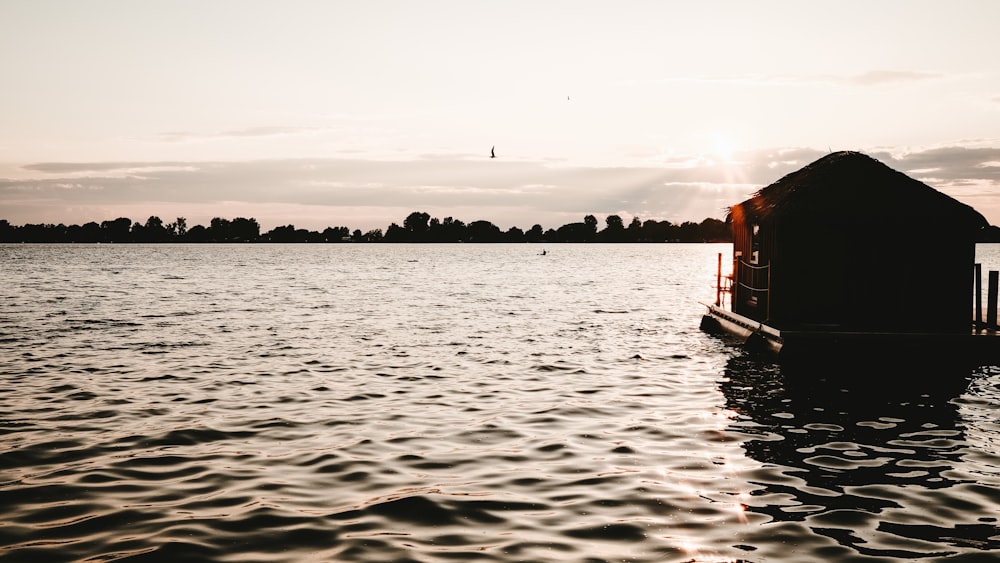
{"type": "Point", "coordinates": [979, 346]}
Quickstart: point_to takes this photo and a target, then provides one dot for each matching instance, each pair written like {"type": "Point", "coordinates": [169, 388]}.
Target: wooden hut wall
{"type": "Point", "coordinates": [850, 249]}
{"type": "Point", "coordinates": [866, 277]}
{"type": "Point", "coordinates": [741, 242]}
{"type": "Point", "coordinates": [807, 274]}
{"type": "Point", "coordinates": [910, 283]}
{"type": "Point", "coordinates": [741, 245]}
{"type": "Point", "coordinates": [763, 271]}
{"type": "Point", "coordinates": [745, 301]}
{"type": "Point", "coordinates": [950, 285]}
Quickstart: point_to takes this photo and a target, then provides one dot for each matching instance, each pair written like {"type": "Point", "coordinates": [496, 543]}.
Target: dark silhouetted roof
{"type": "Point", "coordinates": [851, 185]}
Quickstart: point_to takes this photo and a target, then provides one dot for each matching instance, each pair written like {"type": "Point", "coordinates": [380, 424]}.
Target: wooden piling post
{"type": "Point", "coordinates": [979, 297]}
{"type": "Point", "coordinates": [991, 300]}
{"type": "Point", "coordinates": [718, 283]}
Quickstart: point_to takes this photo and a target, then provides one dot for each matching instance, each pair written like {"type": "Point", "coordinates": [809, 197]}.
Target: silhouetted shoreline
{"type": "Point", "coordinates": [418, 227]}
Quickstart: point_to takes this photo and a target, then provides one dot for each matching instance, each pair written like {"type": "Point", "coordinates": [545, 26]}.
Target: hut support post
{"type": "Point", "coordinates": [734, 284]}
{"type": "Point", "coordinates": [991, 300]}
{"type": "Point", "coordinates": [718, 282]}
{"type": "Point", "coordinates": [979, 297]}
{"type": "Point", "coordinates": [768, 294]}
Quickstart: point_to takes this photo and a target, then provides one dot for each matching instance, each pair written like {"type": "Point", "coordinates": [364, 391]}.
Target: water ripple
{"type": "Point", "coordinates": [344, 403]}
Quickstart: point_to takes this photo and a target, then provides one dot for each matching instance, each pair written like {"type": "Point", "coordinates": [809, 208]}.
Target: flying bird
{"type": "Point", "coordinates": [493, 154]}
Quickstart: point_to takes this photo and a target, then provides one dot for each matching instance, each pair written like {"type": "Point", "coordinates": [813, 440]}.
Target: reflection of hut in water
{"type": "Point", "coordinates": [822, 455]}
{"type": "Point", "coordinates": [809, 409]}
{"type": "Point", "coordinates": [847, 246]}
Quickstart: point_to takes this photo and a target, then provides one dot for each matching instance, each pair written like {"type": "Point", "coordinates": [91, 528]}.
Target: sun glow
{"type": "Point", "coordinates": [723, 145]}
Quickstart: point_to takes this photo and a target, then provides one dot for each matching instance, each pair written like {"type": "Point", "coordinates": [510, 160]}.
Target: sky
{"type": "Point", "coordinates": [321, 113]}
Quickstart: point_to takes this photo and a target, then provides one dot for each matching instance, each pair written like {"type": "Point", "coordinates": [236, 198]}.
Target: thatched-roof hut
{"type": "Point", "coordinates": [847, 243]}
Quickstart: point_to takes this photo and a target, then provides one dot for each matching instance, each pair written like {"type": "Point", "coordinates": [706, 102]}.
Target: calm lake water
{"type": "Point", "coordinates": [435, 403]}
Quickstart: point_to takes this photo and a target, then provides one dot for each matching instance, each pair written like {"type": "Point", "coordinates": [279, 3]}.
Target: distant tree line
{"type": "Point", "coordinates": [417, 227]}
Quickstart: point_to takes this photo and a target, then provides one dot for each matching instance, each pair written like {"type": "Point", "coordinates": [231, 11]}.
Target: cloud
{"type": "Point", "coordinates": [879, 77]}
{"type": "Point", "coordinates": [249, 132]}
{"type": "Point", "coordinates": [863, 79]}
{"type": "Point", "coordinates": [68, 170]}
{"type": "Point", "coordinates": [105, 167]}
{"type": "Point", "coordinates": [876, 77]}
{"type": "Point", "coordinates": [954, 163]}
{"type": "Point", "coordinates": [512, 193]}
{"type": "Point", "coordinates": [539, 191]}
